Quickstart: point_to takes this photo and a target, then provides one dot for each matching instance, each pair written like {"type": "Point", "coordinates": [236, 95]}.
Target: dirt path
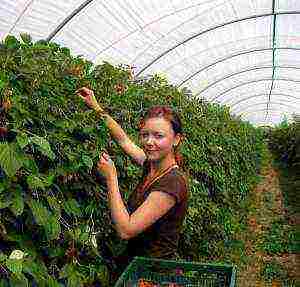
{"type": "Point", "coordinates": [266, 205]}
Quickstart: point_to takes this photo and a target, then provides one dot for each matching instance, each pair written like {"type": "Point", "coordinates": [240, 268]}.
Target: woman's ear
{"type": "Point", "coordinates": [178, 140]}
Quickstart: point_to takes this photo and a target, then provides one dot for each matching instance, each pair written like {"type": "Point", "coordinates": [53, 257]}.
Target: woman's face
{"type": "Point", "coordinates": [157, 138]}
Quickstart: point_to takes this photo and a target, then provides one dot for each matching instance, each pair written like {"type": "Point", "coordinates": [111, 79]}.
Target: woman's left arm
{"type": "Point", "coordinates": [128, 226]}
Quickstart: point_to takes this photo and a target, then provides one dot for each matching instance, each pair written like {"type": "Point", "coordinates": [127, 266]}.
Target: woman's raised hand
{"type": "Point", "coordinates": [106, 166]}
{"type": "Point", "coordinates": [88, 96]}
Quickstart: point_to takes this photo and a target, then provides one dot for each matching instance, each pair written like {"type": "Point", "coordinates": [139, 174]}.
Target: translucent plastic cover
{"type": "Point", "coordinates": [240, 53]}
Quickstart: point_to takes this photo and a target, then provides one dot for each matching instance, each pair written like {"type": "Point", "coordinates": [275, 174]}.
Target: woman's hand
{"type": "Point", "coordinates": [106, 166]}
{"type": "Point", "coordinates": [88, 96]}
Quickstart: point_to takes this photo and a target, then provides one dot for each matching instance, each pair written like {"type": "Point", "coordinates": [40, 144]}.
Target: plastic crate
{"type": "Point", "coordinates": [164, 273]}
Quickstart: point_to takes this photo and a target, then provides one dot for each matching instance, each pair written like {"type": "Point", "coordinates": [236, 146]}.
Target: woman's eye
{"type": "Point", "coordinates": [144, 135]}
{"type": "Point", "coordinates": [159, 136]}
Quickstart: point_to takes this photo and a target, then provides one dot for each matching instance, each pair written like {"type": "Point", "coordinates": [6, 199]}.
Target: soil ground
{"type": "Point", "coordinates": [267, 206]}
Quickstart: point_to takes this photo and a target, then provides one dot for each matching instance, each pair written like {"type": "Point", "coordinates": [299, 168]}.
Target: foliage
{"type": "Point", "coordinates": [53, 205]}
{"type": "Point", "coordinates": [280, 238]}
{"type": "Point", "coordinates": [284, 142]}
{"type": "Point", "coordinates": [49, 143]}
{"type": "Point", "coordinates": [273, 270]}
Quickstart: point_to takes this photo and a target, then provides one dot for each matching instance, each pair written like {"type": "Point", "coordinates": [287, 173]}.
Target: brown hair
{"type": "Point", "coordinates": [173, 118]}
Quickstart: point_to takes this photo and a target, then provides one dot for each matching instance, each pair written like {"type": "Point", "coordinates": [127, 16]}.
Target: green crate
{"type": "Point", "coordinates": [182, 273]}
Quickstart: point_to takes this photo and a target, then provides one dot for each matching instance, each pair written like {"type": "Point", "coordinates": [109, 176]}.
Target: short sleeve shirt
{"type": "Point", "coordinates": [161, 238]}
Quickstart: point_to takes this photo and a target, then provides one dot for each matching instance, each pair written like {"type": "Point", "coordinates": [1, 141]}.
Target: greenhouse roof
{"type": "Point", "coordinates": [241, 53]}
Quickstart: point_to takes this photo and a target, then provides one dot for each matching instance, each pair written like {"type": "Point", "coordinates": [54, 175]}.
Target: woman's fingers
{"type": "Point", "coordinates": [88, 96]}
{"type": "Point", "coordinates": [85, 93]}
{"type": "Point", "coordinates": [82, 97]}
{"type": "Point", "coordinates": [105, 165]}
{"type": "Point", "coordinates": [103, 160]}
{"type": "Point", "coordinates": [105, 156]}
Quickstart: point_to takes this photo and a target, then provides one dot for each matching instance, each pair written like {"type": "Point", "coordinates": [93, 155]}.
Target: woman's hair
{"type": "Point", "coordinates": [172, 117]}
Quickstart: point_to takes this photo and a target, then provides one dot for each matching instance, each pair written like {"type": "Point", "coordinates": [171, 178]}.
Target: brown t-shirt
{"type": "Point", "coordinates": [161, 238]}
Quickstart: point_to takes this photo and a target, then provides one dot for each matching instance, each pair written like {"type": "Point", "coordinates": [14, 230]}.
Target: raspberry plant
{"type": "Point", "coordinates": [53, 205]}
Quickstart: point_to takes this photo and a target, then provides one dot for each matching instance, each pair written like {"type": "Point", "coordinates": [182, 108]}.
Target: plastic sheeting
{"type": "Point", "coordinates": [240, 53]}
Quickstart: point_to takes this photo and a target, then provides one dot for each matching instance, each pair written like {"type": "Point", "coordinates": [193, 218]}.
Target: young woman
{"type": "Point", "coordinates": [152, 219]}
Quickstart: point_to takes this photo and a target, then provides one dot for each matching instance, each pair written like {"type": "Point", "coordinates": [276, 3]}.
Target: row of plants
{"type": "Point", "coordinates": [281, 238]}
{"type": "Point", "coordinates": [284, 143]}
{"type": "Point", "coordinates": [55, 228]}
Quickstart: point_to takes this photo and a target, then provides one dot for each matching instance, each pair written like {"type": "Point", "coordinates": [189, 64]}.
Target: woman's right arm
{"type": "Point", "coordinates": [118, 134]}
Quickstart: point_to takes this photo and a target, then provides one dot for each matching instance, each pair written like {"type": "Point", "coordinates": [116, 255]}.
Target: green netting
{"type": "Point", "coordinates": [165, 272]}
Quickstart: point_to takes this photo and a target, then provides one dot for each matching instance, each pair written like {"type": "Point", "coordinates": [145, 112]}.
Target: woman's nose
{"type": "Point", "coordinates": [150, 140]}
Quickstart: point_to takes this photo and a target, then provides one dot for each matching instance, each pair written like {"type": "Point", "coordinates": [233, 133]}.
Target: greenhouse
{"type": "Point", "coordinates": [89, 92]}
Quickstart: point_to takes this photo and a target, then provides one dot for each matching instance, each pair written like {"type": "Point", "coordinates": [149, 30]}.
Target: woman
{"type": "Point", "coordinates": [153, 218]}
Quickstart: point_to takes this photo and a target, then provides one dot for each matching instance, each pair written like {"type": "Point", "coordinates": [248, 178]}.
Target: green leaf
{"type": "Point", "coordinates": [5, 201]}
{"type": "Point", "coordinates": [17, 205]}
{"type": "Point", "coordinates": [52, 228]}
{"type": "Point", "coordinates": [73, 276]}
{"type": "Point", "coordinates": [10, 159]}
{"type": "Point", "coordinates": [26, 38]}
{"type": "Point", "coordinates": [54, 205]}
{"type": "Point", "coordinates": [39, 211]}
{"type": "Point", "coordinates": [18, 280]}
{"type": "Point", "coordinates": [103, 274]}
{"type": "Point", "coordinates": [43, 146]}
{"type": "Point", "coordinates": [2, 84]}
{"type": "Point", "coordinates": [49, 180]}
{"type": "Point", "coordinates": [30, 164]}
{"type": "Point", "coordinates": [57, 252]}
{"type": "Point", "coordinates": [4, 80]}
{"type": "Point", "coordinates": [79, 235]}
{"type": "Point", "coordinates": [87, 161]}
{"type": "Point", "coordinates": [66, 51]}
{"type": "Point", "coordinates": [22, 140]}
{"type": "Point", "coordinates": [44, 218]}
{"type": "Point", "coordinates": [51, 282]}
{"type": "Point", "coordinates": [35, 182]}
{"type": "Point", "coordinates": [2, 257]}
{"type": "Point", "coordinates": [72, 207]}
{"type": "Point", "coordinates": [14, 265]}
{"type": "Point", "coordinates": [11, 42]}
{"type": "Point", "coordinates": [84, 237]}
{"type": "Point", "coordinates": [36, 269]}
{"type": "Point", "coordinates": [4, 283]}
